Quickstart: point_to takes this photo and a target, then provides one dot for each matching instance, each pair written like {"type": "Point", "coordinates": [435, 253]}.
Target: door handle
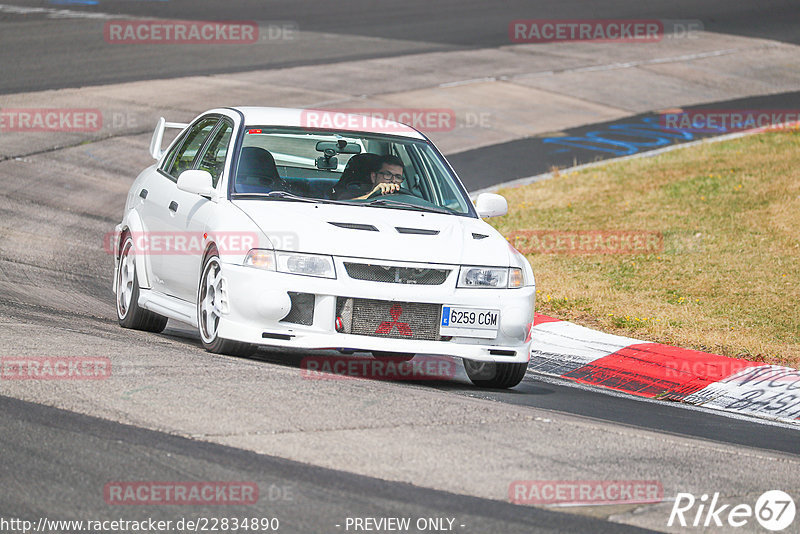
{"type": "Point", "coordinates": [143, 193]}
{"type": "Point", "coordinates": [173, 206]}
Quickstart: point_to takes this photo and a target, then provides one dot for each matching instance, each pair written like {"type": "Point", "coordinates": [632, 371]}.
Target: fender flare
{"type": "Point", "coordinates": [133, 224]}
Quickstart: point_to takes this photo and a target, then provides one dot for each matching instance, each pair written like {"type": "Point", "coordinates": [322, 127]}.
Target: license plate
{"type": "Point", "coordinates": [469, 322]}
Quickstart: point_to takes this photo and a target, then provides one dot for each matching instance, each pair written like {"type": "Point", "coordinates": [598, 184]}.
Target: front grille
{"type": "Point", "coordinates": [396, 275]}
{"type": "Point", "coordinates": [302, 311]}
{"type": "Point", "coordinates": [397, 320]}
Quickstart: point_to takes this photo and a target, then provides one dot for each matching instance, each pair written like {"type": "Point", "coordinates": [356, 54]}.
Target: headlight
{"type": "Point", "coordinates": [292, 262]}
{"type": "Point", "coordinates": [491, 277]}
{"type": "Point", "coordinates": [307, 264]}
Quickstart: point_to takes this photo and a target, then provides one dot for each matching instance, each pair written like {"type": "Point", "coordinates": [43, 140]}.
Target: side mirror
{"type": "Point", "coordinates": [196, 181]}
{"type": "Point", "coordinates": [490, 205]}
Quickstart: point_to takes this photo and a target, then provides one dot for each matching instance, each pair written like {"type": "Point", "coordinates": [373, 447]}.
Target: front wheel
{"type": "Point", "coordinates": [495, 375]}
{"type": "Point", "coordinates": [212, 299]}
{"type": "Point", "coordinates": [129, 314]}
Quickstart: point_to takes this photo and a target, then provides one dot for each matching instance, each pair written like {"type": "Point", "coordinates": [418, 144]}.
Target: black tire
{"type": "Point", "coordinates": [394, 356]}
{"type": "Point", "coordinates": [208, 331]}
{"type": "Point", "coordinates": [129, 314]}
{"type": "Point", "coordinates": [495, 375]}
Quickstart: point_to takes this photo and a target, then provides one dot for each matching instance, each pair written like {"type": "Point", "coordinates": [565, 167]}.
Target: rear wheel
{"type": "Point", "coordinates": [212, 298]}
{"type": "Point", "coordinates": [129, 314]}
{"type": "Point", "coordinates": [495, 375]}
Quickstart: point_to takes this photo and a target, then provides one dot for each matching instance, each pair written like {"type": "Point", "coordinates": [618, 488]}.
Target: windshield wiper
{"type": "Point", "coordinates": [407, 205]}
{"type": "Point", "coordinates": [285, 195]}
{"type": "Point", "coordinates": [276, 194]}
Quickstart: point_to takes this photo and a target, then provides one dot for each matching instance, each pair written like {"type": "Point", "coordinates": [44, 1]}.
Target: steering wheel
{"type": "Point", "coordinates": [379, 194]}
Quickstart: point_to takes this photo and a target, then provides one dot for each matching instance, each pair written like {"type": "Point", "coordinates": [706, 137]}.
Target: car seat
{"type": "Point", "coordinates": [355, 180]}
{"type": "Point", "coordinates": [257, 172]}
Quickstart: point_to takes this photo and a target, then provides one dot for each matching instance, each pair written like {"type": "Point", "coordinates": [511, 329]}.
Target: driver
{"type": "Point", "coordinates": [387, 179]}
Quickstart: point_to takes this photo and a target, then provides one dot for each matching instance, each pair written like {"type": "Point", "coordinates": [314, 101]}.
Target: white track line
{"type": "Point", "coordinates": [57, 13]}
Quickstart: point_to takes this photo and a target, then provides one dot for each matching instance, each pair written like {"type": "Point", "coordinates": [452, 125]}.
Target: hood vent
{"type": "Point", "coordinates": [417, 231]}
{"type": "Point", "coordinates": [354, 226]}
{"type": "Point", "coordinates": [479, 236]}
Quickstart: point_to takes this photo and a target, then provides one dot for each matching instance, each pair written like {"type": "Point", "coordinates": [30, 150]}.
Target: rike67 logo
{"type": "Point", "coordinates": [774, 510]}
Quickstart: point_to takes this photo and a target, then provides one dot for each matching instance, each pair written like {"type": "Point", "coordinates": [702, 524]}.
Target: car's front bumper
{"type": "Point", "coordinates": [258, 300]}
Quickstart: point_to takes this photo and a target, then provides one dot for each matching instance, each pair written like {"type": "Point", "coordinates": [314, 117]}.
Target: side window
{"type": "Point", "coordinates": [171, 156]}
{"type": "Point", "coordinates": [213, 158]}
{"type": "Point", "coordinates": [188, 151]}
{"type": "Point", "coordinates": [445, 192]}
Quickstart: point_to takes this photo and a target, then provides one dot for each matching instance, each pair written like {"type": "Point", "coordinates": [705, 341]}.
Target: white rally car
{"type": "Point", "coordinates": [259, 226]}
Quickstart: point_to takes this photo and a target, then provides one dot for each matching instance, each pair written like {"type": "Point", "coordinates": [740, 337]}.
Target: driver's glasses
{"type": "Point", "coordinates": [396, 178]}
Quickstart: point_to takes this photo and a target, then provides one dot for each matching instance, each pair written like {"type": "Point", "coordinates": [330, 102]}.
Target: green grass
{"type": "Point", "coordinates": [727, 278]}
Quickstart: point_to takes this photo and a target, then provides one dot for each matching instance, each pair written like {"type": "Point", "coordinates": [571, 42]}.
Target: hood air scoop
{"type": "Point", "coordinates": [354, 226]}
{"type": "Point", "coordinates": [418, 231]}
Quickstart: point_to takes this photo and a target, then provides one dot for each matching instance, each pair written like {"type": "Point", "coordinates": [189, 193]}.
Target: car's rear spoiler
{"type": "Point", "coordinates": [158, 135]}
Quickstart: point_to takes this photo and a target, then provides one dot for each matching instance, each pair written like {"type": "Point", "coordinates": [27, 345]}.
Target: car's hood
{"type": "Point", "coordinates": [346, 231]}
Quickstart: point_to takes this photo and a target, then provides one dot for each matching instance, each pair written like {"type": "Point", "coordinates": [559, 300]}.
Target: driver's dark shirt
{"type": "Point", "coordinates": [353, 190]}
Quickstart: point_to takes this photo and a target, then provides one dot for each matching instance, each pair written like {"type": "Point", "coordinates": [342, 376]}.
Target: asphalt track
{"type": "Point", "coordinates": [57, 301]}
{"type": "Point", "coordinates": [39, 481]}
{"type": "Point", "coordinates": [38, 52]}
{"type": "Point", "coordinates": [54, 460]}
{"type": "Point", "coordinates": [564, 397]}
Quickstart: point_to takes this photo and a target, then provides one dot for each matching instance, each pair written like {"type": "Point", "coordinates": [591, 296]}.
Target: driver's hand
{"type": "Point", "coordinates": [386, 188]}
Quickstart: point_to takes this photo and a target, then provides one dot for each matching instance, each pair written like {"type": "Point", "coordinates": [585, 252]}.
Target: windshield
{"type": "Point", "coordinates": [366, 169]}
